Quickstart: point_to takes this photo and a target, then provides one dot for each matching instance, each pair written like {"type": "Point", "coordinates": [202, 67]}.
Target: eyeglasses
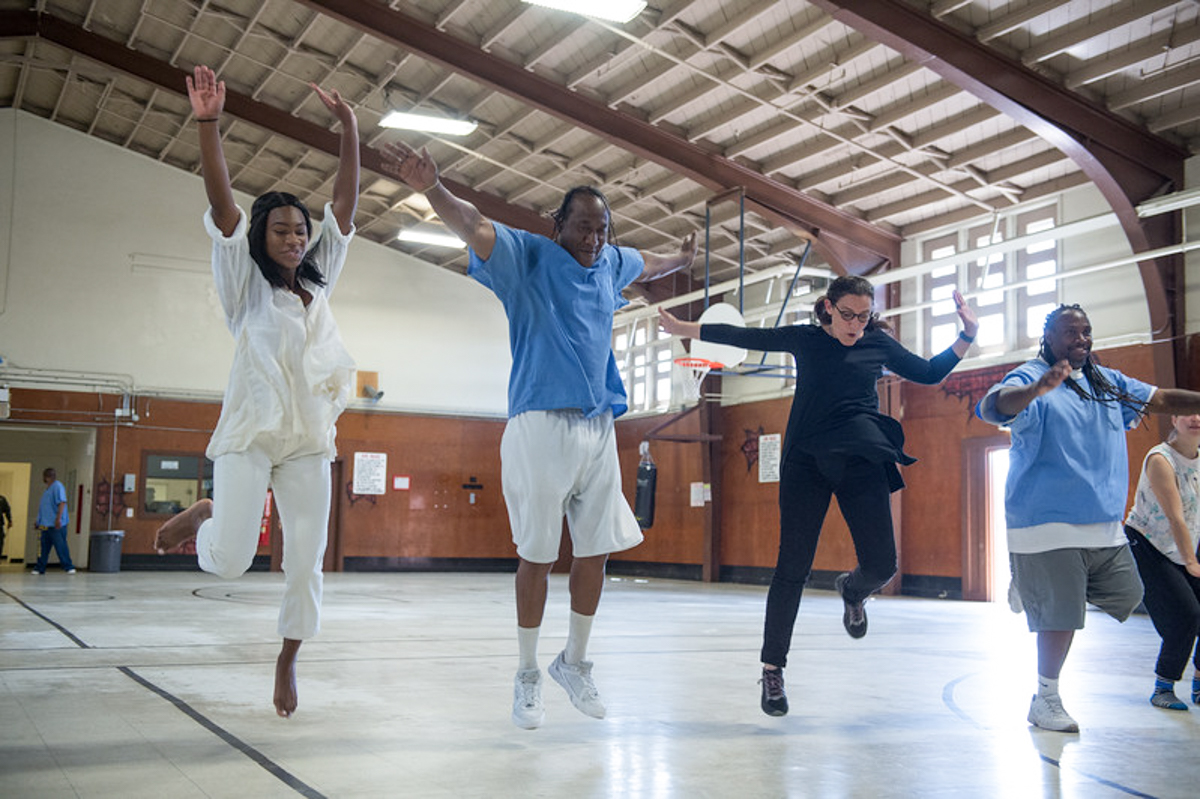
{"type": "Point", "coordinates": [849, 316]}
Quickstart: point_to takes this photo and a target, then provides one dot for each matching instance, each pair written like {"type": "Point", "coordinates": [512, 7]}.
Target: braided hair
{"type": "Point", "coordinates": [564, 209]}
{"type": "Point", "coordinates": [1101, 388]}
{"type": "Point", "coordinates": [256, 236]}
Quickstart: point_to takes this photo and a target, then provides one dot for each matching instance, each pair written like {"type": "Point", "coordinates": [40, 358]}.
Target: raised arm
{"type": "Point", "coordinates": [419, 173]}
{"type": "Point", "coordinates": [970, 325]}
{"type": "Point", "coordinates": [207, 96]}
{"type": "Point", "coordinates": [659, 265]}
{"type": "Point", "coordinates": [345, 186]}
{"type": "Point", "coordinates": [1166, 490]}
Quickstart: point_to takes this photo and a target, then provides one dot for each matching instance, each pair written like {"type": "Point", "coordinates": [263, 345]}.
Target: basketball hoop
{"type": "Point", "coordinates": [694, 371]}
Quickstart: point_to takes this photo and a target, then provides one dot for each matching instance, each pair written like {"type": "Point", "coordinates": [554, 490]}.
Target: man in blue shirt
{"type": "Point", "coordinates": [52, 521]}
{"type": "Point", "coordinates": [558, 453]}
{"type": "Point", "coordinates": [1067, 484]}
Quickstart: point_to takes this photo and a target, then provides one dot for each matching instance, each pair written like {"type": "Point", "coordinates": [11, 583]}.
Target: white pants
{"type": "Point", "coordinates": [226, 543]}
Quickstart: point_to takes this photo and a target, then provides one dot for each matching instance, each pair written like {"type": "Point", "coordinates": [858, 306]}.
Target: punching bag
{"type": "Point", "coordinates": [647, 481]}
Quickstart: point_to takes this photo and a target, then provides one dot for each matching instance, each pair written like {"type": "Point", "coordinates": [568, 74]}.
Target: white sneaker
{"type": "Point", "coordinates": [70, 571]}
{"type": "Point", "coordinates": [577, 681]}
{"type": "Point", "coordinates": [1047, 712]}
{"type": "Point", "coordinates": [528, 710]}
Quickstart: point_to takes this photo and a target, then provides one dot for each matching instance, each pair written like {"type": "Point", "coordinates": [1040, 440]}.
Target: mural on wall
{"type": "Point", "coordinates": [750, 447]}
{"type": "Point", "coordinates": [972, 385]}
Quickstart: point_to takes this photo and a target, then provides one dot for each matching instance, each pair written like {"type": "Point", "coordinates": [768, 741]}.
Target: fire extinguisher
{"type": "Point", "coordinates": [264, 528]}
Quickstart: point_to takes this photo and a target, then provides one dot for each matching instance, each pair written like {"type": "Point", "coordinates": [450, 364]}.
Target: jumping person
{"type": "Point", "coordinates": [1163, 529]}
{"type": "Point", "coordinates": [837, 443]}
{"type": "Point", "coordinates": [291, 376]}
{"type": "Point", "coordinates": [1064, 500]}
{"type": "Point", "coordinates": [559, 452]}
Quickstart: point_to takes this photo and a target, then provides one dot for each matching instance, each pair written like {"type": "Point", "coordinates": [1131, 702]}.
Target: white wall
{"type": "Point", "coordinates": [104, 268]}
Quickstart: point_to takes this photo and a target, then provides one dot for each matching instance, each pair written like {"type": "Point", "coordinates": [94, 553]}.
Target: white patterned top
{"type": "Point", "coordinates": [1147, 516]}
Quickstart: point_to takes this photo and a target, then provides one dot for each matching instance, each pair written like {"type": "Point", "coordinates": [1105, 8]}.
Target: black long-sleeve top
{"type": "Point", "coordinates": [836, 406]}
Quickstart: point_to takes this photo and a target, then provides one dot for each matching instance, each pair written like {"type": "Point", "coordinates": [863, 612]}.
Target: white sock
{"type": "Point", "coordinates": [1047, 686]}
{"type": "Point", "coordinates": [527, 642]}
{"type": "Point", "coordinates": [579, 631]}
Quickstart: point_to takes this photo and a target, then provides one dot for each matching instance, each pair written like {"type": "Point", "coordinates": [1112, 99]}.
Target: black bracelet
{"type": "Point", "coordinates": [210, 119]}
{"type": "Point", "coordinates": [963, 335]}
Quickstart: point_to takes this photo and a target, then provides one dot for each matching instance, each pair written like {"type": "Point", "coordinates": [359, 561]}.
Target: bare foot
{"type": "Point", "coordinates": [175, 535]}
{"type": "Point", "coordinates": [285, 678]}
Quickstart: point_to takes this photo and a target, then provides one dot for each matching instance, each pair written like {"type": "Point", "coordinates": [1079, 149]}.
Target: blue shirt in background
{"type": "Point", "coordinates": [1068, 462]}
{"type": "Point", "coordinates": [52, 497]}
{"type": "Point", "coordinates": [560, 318]}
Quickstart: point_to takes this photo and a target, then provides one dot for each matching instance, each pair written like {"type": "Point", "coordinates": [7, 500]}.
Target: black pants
{"type": "Point", "coordinates": [863, 490]}
{"type": "Point", "coordinates": [1173, 599]}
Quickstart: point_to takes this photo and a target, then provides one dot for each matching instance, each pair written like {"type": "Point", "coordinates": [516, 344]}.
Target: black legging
{"type": "Point", "coordinates": [1173, 599]}
{"type": "Point", "coordinates": [863, 489]}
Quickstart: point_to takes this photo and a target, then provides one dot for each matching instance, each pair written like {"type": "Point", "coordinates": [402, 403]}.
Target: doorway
{"type": "Point", "coordinates": [985, 540]}
{"type": "Point", "coordinates": [997, 528]}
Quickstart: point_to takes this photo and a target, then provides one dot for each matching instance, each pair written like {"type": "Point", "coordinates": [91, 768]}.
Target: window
{"type": "Point", "coordinates": [174, 481]}
{"type": "Point", "coordinates": [643, 353]}
{"type": "Point", "coordinates": [1008, 319]}
{"type": "Point", "coordinates": [1037, 260]}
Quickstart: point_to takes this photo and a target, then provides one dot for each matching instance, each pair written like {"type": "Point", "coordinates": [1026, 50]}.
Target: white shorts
{"type": "Point", "coordinates": [555, 463]}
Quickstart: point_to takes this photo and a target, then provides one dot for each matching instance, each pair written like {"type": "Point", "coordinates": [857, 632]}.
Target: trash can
{"type": "Point", "coordinates": [105, 552]}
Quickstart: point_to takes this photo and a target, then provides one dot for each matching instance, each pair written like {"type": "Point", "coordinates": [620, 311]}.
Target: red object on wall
{"type": "Point", "coordinates": [264, 528]}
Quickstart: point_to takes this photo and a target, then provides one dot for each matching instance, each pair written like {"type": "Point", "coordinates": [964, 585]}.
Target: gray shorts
{"type": "Point", "coordinates": [1056, 586]}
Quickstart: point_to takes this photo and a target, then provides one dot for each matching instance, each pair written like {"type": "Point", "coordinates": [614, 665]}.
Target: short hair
{"type": "Point", "coordinates": [256, 237]}
{"type": "Point", "coordinates": [564, 209]}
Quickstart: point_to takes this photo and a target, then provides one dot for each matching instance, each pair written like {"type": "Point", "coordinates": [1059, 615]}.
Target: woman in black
{"type": "Point", "coordinates": [837, 443]}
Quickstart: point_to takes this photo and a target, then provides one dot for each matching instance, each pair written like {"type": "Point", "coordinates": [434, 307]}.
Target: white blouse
{"type": "Point", "coordinates": [1147, 516]}
{"type": "Point", "coordinates": [291, 376]}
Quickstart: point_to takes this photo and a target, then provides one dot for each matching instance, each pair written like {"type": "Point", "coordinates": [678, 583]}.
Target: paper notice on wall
{"type": "Point", "coordinates": [769, 448]}
{"type": "Point", "coordinates": [697, 495]}
{"type": "Point", "coordinates": [370, 472]}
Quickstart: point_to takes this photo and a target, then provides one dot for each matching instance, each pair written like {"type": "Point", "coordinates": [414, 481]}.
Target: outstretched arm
{"type": "Point", "coordinates": [345, 186]}
{"type": "Point", "coordinates": [207, 96]}
{"type": "Point", "coordinates": [419, 173]}
{"type": "Point", "coordinates": [659, 265]}
{"type": "Point", "coordinates": [1178, 401]}
{"type": "Point", "coordinates": [1011, 400]}
{"type": "Point", "coordinates": [676, 326]}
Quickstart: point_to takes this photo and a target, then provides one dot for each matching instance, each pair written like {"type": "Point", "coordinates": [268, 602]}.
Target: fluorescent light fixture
{"type": "Point", "coordinates": [432, 238]}
{"type": "Point", "coordinates": [613, 10]}
{"type": "Point", "coordinates": [429, 124]}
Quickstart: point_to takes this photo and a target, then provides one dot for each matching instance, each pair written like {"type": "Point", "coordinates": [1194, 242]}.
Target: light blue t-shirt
{"type": "Point", "coordinates": [54, 495]}
{"type": "Point", "coordinates": [1068, 462]}
{"type": "Point", "coordinates": [560, 317]}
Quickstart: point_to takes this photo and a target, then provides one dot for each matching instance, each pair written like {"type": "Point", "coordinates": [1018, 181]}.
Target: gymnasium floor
{"type": "Point", "coordinates": [159, 685]}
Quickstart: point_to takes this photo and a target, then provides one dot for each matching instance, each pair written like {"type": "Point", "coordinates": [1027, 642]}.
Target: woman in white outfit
{"type": "Point", "coordinates": [290, 380]}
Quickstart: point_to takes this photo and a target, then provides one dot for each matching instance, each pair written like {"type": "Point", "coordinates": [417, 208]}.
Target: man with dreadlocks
{"type": "Point", "coordinates": [559, 448]}
{"type": "Point", "coordinates": [1068, 479]}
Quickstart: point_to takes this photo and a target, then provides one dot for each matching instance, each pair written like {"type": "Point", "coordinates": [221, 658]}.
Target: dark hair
{"type": "Point", "coordinates": [257, 238]}
{"type": "Point", "coordinates": [564, 208]}
{"type": "Point", "coordinates": [1102, 390]}
{"type": "Point", "coordinates": [840, 287]}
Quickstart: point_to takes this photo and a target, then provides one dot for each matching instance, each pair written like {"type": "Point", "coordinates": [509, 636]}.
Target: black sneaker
{"type": "Point", "coordinates": [774, 700]}
{"type": "Point", "coordinates": [854, 618]}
